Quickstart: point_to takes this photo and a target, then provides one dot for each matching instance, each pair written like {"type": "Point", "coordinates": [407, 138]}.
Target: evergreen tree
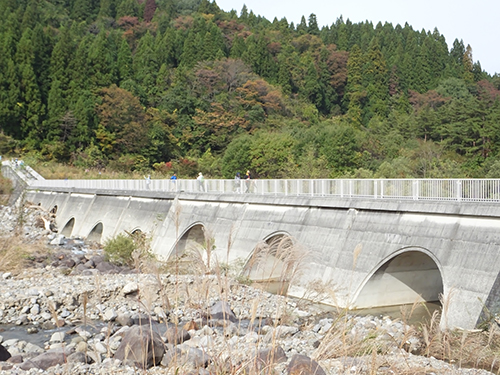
{"type": "Point", "coordinates": [102, 61]}
{"type": "Point", "coordinates": [107, 9]}
{"type": "Point", "coordinates": [468, 63]}
{"type": "Point", "coordinates": [312, 27]}
{"type": "Point", "coordinates": [32, 108]}
{"type": "Point", "coordinates": [124, 59]}
{"type": "Point", "coordinates": [145, 64]}
{"type": "Point", "coordinates": [355, 93]}
{"type": "Point", "coordinates": [375, 81]}
{"type": "Point", "coordinates": [302, 26]}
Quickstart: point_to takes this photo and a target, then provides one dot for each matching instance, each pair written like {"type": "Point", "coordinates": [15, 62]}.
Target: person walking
{"type": "Point", "coordinates": [173, 182]}
{"type": "Point", "coordinates": [248, 178]}
{"type": "Point", "coordinates": [237, 183]}
{"type": "Point", "coordinates": [201, 182]}
{"type": "Point", "coordinates": [148, 181]}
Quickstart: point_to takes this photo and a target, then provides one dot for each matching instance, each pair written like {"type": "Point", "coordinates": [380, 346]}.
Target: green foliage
{"type": "Point", "coordinates": [119, 249]}
{"type": "Point", "coordinates": [127, 249]}
{"type": "Point", "coordinates": [128, 85]}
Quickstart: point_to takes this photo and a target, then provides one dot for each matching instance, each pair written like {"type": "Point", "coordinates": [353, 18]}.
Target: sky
{"type": "Point", "coordinates": [474, 22]}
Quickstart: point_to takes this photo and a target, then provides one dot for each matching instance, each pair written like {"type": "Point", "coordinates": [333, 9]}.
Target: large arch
{"type": "Point", "coordinates": [193, 236]}
{"type": "Point", "coordinates": [68, 227]}
{"type": "Point", "coordinates": [408, 276]}
{"type": "Point", "coordinates": [272, 263]}
{"type": "Point", "coordinates": [95, 234]}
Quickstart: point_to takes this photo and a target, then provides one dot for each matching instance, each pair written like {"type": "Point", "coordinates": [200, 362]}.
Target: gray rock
{"type": "Point", "coordinates": [4, 354]}
{"type": "Point", "coordinates": [58, 240]}
{"type": "Point", "coordinates": [48, 359]}
{"type": "Point", "coordinates": [107, 268]}
{"type": "Point", "coordinates": [303, 365]}
{"type": "Point", "coordinates": [35, 309]}
{"type": "Point", "coordinates": [110, 315]}
{"type": "Point", "coordinates": [57, 337]}
{"type": "Point", "coordinates": [79, 357]}
{"type": "Point", "coordinates": [222, 310]}
{"type": "Point", "coordinates": [144, 347]}
{"type": "Point", "coordinates": [176, 335]}
{"type": "Point", "coordinates": [130, 288]}
{"type": "Point", "coordinates": [124, 319]}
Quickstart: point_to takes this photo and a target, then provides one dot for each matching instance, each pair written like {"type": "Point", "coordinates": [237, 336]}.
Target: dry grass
{"type": "Point", "coordinates": [16, 255]}
{"type": "Point", "coordinates": [53, 170]}
{"type": "Point", "coordinates": [5, 190]}
{"type": "Point", "coordinates": [470, 349]}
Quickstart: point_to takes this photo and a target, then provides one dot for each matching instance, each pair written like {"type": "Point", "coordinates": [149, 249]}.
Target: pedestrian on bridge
{"type": "Point", "coordinates": [248, 178]}
{"type": "Point", "coordinates": [173, 181]}
{"type": "Point", "coordinates": [237, 183]}
{"type": "Point", "coordinates": [201, 182]}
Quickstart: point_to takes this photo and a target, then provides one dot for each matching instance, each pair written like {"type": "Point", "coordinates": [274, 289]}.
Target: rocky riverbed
{"type": "Point", "coordinates": [68, 311]}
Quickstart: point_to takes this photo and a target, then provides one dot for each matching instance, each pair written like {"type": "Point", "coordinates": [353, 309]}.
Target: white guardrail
{"type": "Point", "coordinates": [474, 190]}
{"type": "Point", "coordinates": [466, 190]}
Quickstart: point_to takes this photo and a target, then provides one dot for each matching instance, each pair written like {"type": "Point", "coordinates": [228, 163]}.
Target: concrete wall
{"type": "Point", "coordinates": [373, 252]}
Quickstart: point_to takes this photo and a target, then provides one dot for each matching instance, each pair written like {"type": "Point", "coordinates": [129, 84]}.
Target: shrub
{"type": "Point", "coordinates": [119, 249]}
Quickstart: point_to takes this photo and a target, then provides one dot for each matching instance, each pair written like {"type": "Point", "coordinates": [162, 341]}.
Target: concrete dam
{"type": "Point", "coordinates": [369, 252]}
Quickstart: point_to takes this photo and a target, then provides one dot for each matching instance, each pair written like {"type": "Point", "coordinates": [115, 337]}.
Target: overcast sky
{"type": "Point", "coordinates": [475, 22]}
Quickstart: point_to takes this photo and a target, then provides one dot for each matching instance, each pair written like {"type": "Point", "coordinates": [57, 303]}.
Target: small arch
{"type": "Point", "coordinates": [193, 237]}
{"type": "Point", "coordinates": [68, 228]}
{"type": "Point", "coordinates": [95, 234]}
{"type": "Point", "coordinates": [272, 263]}
{"type": "Point", "coordinates": [407, 277]}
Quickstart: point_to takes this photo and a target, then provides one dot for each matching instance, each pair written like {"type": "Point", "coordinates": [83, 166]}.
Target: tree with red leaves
{"type": "Point", "coordinates": [149, 10]}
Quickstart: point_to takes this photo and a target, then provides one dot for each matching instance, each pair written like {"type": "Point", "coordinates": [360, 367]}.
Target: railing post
{"type": "Point", "coordinates": [415, 190]}
{"type": "Point", "coordinates": [382, 189]}
{"type": "Point", "coordinates": [459, 190]}
{"type": "Point", "coordinates": [311, 187]}
{"type": "Point", "coordinates": [341, 188]}
{"type": "Point", "coordinates": [375, 189]}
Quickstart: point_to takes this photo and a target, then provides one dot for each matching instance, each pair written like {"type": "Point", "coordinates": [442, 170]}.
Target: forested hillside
{"type": "Point", "coordinates": [180, 85]}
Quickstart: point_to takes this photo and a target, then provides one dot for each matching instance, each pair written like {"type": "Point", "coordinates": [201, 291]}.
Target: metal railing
{"type": "Point", "coordinates": [474, 190]}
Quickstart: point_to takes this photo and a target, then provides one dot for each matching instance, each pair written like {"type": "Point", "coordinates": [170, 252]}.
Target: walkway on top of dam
{"type": "Point", "coordinates": [458, 190]}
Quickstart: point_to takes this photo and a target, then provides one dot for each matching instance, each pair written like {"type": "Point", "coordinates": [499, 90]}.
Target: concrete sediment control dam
{"type": "Point", "coordinates": [370, 252]}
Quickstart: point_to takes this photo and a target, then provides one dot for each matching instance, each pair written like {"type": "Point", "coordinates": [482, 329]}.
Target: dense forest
{"type": "Point", "coordinates": [182, 86]}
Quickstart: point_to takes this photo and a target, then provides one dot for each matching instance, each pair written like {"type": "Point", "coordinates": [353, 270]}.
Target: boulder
{"type": "Point", "coordinates": [130, 288]}
{"type": "Point", "coordinates": [142, 346]}
{"type": "Point", "coordinates": [4, 354]}
{"type": "Point", "coordinates": [222, 310]}
{"type": "Point", "coordinates": [176, 335]}
{"type": "Point", "coordinates": [79, 357]}
{"type": "Point", "coordinates": [48, 359]}
{"type": "Point", "coordinates": [303, 365]}
{"type": "Point", "coordinates": [107, 268]}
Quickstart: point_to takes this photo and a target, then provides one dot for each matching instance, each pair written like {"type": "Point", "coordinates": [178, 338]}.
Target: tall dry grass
{"type": "Point", "coordinates": [16, 254]}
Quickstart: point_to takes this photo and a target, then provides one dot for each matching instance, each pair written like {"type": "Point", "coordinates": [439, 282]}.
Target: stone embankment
{"type": "Point", "coordinates": [102, 319]}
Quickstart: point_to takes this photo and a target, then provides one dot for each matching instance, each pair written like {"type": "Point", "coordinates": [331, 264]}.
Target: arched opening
{"type": "Point", "coordinates": [273, 264]}
{"type": "Point", "coordinates": [194, 237]}
{"type": "Point", "coordinates": [68, 228]}
{"type": "Point", "coordinates": [193, 251]}
{"type": "Point", "coordinates": [407, 278]}
{"type": "Point", "coordinates": [95, 234]}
